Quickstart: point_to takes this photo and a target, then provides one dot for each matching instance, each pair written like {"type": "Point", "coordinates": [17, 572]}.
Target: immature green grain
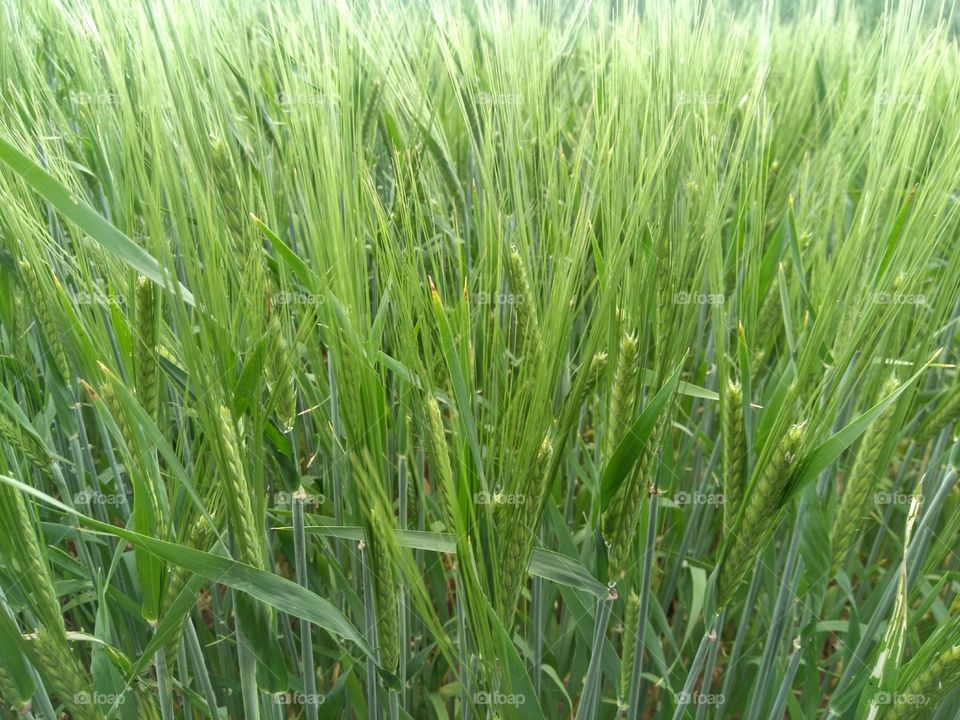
{"type": "Point", "coordinates": [247, 537]}
{"type": "Point", "coordinates": [49, 328]}
{"type": "Point", "coordinates": [628, 642]}
{"type": "Point", "coordinates": [413, 490]}
{"type": "Point", "coordinates": [199, 538]}
{"type": "Point", "coordinates": [413, 478]}
{"type": "Point", "coordinates": [226, 186]}
{"type": "Point", "coordinates": [665, 305]}
{"type": "Point", "coordinates": [734, 452]}
{"type": "Point", "coordinates": [921, 697]}
{"type": "Point", "coordinates": [537, 488]}
{"type": "Point", "coordinates": [441, 459]}
{"type": "Point", "coordinates": [524, 299]}
{"type": "Point", "coordinates": [859, 486]}
{"type": "Point", "coordinates": [28, 557]}
{"type": "Point", "coordinates": [51, 656]}
{"type": "Point", "coordinates": [623, 512]}
{"type": "Point", "coordinates": [34, 560]}
{"type": "Point", "coordinates": [284, 386]}
{"type": "Point", "coordinates": [771, 309]}
{"type": "Point", "coordinates": [594, 371]}
{"type": "Point", "coordinates": [385, 593]}
{"type": "Point", "coordinates": [760, 511]}
{"type": "Point", "coordinates": [945, 414]}
{"type": "Point", "coordinates": [10, 693]}
{"type": "Point", "coordinates": [145, 350]}
{"type": "Point", "coordinates": [146, 705]}
{"type": "Point", "coordinates": [110, 399]}
{"type": "Point", "coordinates": [769, 322]}
{"type": "Point", "coordinates": [511, 563]}
{"type": "Point", "coordinates": [25, 443]}
{"type": "Point", "coordinates": [623, 392]}
{"type": "Point", "coordinates": [119, 415]}
{"type": "Point", "coordinates": [517, 529]}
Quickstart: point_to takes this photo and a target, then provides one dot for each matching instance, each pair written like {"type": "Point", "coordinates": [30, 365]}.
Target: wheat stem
{"type": "Point", "coordinates": [862, 479]}
{"type": "Point", "coordinates": [760, 511]}
{"type": "Point", "coordinates": [734, 452]}
{"type": "Point", "coordinates": [145, 350]}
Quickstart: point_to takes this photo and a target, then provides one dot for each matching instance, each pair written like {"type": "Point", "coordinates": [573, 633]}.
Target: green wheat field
{"type": "Point", "coordinates": [477, 359]}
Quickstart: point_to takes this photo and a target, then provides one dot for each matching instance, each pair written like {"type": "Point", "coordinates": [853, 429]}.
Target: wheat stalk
{"type": "Point", "coordinates": [50, 654]}
{"type": "Point", "coordinates": [247, 536]}
{"type": "Point", "coordinates": [760, 511]}
{"type": "Point", "coordinates": [944, 414]}
{"type": "Point", "coordinates": [862, 479]}
{"type": "Point", "coordinates": [623, 392]}
{"type": "Point", "coordinates": [10, 693]}
{"type": "Point", "coordinates": [628, 644]}
{"type": "Point", "coordinates": [922, 695]}
{"type": "Point", "coordinates": [734, 452]}
{"type": "Point", "coordinates": [517, 531]}
{"type": "Point", "coordinates": [284, 386]}
{"type": "Point", "coordinates": [48, 325]}
{"type": "Point", "coordinates": [524, 299]}
{"type": "Point", "coordinates": [385, 592]}
{"type": "Point", "coordinates": [25, 443]}
{"type": "Point", "coordinates": [145, 357]}
{"type": "Point", "coordinates": [226, 186]}
{"type": "Point", "coordinates": [623, 511]}
{"type": "Point", "coordinates": [441, 459]}
{"type": "Point", "coordinates": [199, 537]}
